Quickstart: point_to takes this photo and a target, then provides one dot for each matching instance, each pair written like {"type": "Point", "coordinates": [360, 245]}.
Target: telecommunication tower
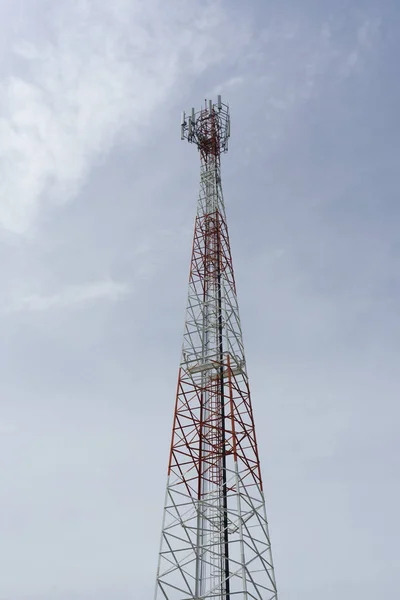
{"type": "Point", "coordinates": [215, 542]}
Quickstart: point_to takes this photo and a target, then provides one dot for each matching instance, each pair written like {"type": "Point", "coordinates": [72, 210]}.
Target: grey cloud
{"type": "Point", "coordinates": [312, 202]}
{"type": "Point", "coordinates": [99, 77]}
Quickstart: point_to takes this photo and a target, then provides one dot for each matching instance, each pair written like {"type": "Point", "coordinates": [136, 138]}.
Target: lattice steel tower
{"type": "Point", "coordinates": [215, 541]}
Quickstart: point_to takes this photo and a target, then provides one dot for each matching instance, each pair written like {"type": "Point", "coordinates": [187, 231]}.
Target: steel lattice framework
{"type": "Point", "coordinates": [215, 542]}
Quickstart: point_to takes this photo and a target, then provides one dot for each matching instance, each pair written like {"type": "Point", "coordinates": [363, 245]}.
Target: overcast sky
{"type": "Point", "coordinates": [97, 202]}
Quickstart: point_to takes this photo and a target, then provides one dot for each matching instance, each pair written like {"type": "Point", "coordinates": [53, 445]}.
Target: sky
{"type": "Point", "coordinates": [97, 202]}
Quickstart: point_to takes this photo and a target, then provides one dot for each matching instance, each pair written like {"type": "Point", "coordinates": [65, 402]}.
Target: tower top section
{"type": "Point", "coordinates": [208, 128]}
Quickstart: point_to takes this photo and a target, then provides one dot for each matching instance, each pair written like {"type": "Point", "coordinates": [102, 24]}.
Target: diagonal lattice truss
{"type": "Point", "coordinates": [215, 542]}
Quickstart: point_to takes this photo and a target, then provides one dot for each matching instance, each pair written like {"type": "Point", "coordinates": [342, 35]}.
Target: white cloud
{"type": "Point", "coordinates": [366, 37]}
{"type": "Point", "coordinates": [73, 295]}
{"type": "Point", "coordinates": [228, 84]}
{"type": "Point", "coordinates": [108, 68]}
{"type": "Point", "coordinates": [294, 61]}
{"type": "Point", "coordinates": [105, 70]}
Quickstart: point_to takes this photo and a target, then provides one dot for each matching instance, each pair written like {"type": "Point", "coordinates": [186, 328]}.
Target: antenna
{"type": "Point", "coordinates": [183, 123]}
{"type": "Point", "coordinates": [208, 128]}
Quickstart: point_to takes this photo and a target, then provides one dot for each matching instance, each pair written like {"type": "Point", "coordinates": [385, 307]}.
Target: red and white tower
{"type": "Point", "coordinates": [215, 542]}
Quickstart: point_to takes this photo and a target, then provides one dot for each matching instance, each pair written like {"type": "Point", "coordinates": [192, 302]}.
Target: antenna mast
{"type": "Point", "coordinates": [215, 541]}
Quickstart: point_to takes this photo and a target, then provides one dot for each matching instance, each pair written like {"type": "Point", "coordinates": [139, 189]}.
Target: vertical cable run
{"type": "Point", "coordinates": [225, 588]}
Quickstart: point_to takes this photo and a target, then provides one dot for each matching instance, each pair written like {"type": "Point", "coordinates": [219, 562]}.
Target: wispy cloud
{"type": "Point", "coordinates": [106, 70]}
{"type": "Point", "coordinates": [103, 71]}
{"type": "Point", "coordinates": [72, 296]}
{"type": "Point", "coordinates": [366, 36]}
{"type": "Point", "coordinates": [306, 54]}
{"type": "Point", "coordinates": [295, 61]}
